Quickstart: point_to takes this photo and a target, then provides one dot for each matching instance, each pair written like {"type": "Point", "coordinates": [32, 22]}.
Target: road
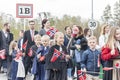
{"type": "Point", "coordinates": [4, 77]}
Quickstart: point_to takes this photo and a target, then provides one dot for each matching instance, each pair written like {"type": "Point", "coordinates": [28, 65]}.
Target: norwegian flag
{"type": "Point", "coordinates": [55, 56]}
{"type": "Point", "coordinates": [2, 54]}
{"type": "Point", "coordinates": [62, 55]}
{"type": "Point", "coordinates": [30, 52]}
{"type": "Point", "coordinates": [81, 75]}
{"type": "Point", "coordinates": [51, 32]}
{"type": "Point", "coordinates": [18, 55]}
{"type": "Point", "coordinates": [25, 45]}
{"type": "Point", "coordinates": [42, 58]}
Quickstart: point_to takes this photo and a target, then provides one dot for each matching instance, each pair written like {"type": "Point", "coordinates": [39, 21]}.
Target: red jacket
{"type": "Point", "coordinates": [106, 53]}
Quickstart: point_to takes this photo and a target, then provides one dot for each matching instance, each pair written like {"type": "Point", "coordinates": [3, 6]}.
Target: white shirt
{"type": "Point", "coordinates": [5, 33]}
{"type": "Point", "coordinates": [102, 40]}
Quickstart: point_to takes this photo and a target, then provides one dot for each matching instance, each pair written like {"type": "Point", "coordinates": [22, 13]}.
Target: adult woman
{"type": "Point", "coordinates": [78, 45]}
{"type": "Point", "coordinates": [87, 33]}
{"type": "Point", "coordinates": [45, 27]}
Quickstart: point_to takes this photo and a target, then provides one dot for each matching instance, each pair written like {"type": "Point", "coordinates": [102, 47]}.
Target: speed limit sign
{"type": "Point", "coordinates": [92, 24]}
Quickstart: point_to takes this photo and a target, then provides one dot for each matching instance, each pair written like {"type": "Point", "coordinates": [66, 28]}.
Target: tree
{"type": "Point", "coordinates": [116, 13]}
{"type": "Point", "coordinates": [107, 14]}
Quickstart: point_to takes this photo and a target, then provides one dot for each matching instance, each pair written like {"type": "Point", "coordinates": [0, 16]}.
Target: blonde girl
{"type": "Point", "coordinates": [58, 66]}
{"type": "Point", "coordinates": [111, 54]}
{"type": "Point", "coordinates": [17, 67]}
{"type": "Point", "coordinates": [105, 29]}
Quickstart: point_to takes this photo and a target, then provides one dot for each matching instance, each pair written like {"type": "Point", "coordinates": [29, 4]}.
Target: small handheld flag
{"type": "Point", "coordinates": [25, 45]}
{"type": "Point", "coordinates": [55, 56]}
{"type": "Point", "coordinates": [18, 55]}
{"type": "Point", "coordinates": [51, 32]}
{"type": "Point", "coordinates": [2, 54]}
{"type": "Point", "coordinates": [81, 75]}
{"type": "Point", "coordinates": [42, 58]}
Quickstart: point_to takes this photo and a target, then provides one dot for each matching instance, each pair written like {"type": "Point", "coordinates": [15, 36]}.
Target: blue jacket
{"type": "Point", "coordinates": [90, 61]}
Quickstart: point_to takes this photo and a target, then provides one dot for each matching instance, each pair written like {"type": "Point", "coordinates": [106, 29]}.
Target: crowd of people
{"type": "Point", "coordinates": [50, 54]}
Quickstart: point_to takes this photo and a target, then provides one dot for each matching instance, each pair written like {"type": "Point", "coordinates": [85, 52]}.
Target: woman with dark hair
{"type": "Point", "coordinates": [87, 33]}
{"type": "Point", "coordinates": [78, 44]}
{"type": "Point", "coordinates": [67, 37]}
{"type": "Point", "coordinates": [45, 27]}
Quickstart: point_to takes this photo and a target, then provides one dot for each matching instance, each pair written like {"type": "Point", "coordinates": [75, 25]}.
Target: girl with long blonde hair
{"type": "Point", "coordinates": [104, 34]}
{"type": "Point", "coordinates": [111, 54]}
{"type": "Point", "coordinates": [17, 67]}
{"type": "Point", "coordinates": [56, 59]}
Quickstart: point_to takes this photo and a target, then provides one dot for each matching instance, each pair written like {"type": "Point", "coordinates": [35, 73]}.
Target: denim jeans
{"type": "Point", "coordinates": [69, 70]}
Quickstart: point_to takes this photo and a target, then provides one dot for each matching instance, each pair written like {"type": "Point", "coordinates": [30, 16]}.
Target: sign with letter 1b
{"type": "Point", "coordinates": [24, 10]}
{"type": "Point", "coordinates": [92, 24]}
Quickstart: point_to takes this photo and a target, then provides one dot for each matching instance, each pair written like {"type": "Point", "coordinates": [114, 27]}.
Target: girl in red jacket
{"type": "Point", "coordinates": [111, 55]}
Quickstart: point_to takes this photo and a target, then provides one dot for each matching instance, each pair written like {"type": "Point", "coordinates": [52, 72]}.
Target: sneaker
{"type": "Point", "coordinates": [5, 70]}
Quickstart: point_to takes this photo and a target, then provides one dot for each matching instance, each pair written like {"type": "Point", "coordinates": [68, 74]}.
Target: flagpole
{"type": "Point", "coordinates": [92, 72]}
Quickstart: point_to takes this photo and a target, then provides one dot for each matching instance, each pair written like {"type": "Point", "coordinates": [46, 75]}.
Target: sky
{"type": "Point", "coordinates": [59, 7]}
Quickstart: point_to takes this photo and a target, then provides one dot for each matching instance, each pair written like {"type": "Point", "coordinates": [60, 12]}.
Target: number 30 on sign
{"type": "Point", "coordinates": [92, 24]}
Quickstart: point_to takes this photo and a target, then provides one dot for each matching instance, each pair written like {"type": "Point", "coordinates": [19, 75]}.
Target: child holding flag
{"type": "Point", "coordinates": [17, 67]}
{"type": "Point", "coordinates": [34, 53]}
{"type": "Point", "coordinates": [42, 51]}
{"type": "Point", "coordinates": [43, 74]}
{"type": "Point", "coordinates": [56, 59]}
{"type": "Point", "coordinates": [90, 62]}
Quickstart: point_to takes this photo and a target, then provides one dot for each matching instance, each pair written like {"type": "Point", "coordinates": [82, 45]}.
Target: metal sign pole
{"type": "Point", "coordinates": [92, 9]}
{"type": "Point", "coordinates": [24, 25]}
{"type": "Point", "coordinates": [92, 24]}
{"type": "Point", "coordinates": [92, 14]}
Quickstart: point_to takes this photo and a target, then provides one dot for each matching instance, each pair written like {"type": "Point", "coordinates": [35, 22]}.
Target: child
{"type": "Point", "coordinates": [17, 68]}
{"type": "Point", "coordinates": [34, 48]}
{"type": "Point", "coordinates": [105, 29]}
{"type": "Point", "coordinates": [42, 74]}
{"type": "Point", "coordinates": [90, 58]}
{"type": "Point", "coordinates": [111, 55]}
{"type": "Point", "coordinates": [51, 42]}
{"type": "Point", "coordinates": [56, 59]}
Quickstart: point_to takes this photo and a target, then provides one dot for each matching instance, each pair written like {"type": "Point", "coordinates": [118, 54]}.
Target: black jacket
{"type": "Point", "coordinates": [27, 37]}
